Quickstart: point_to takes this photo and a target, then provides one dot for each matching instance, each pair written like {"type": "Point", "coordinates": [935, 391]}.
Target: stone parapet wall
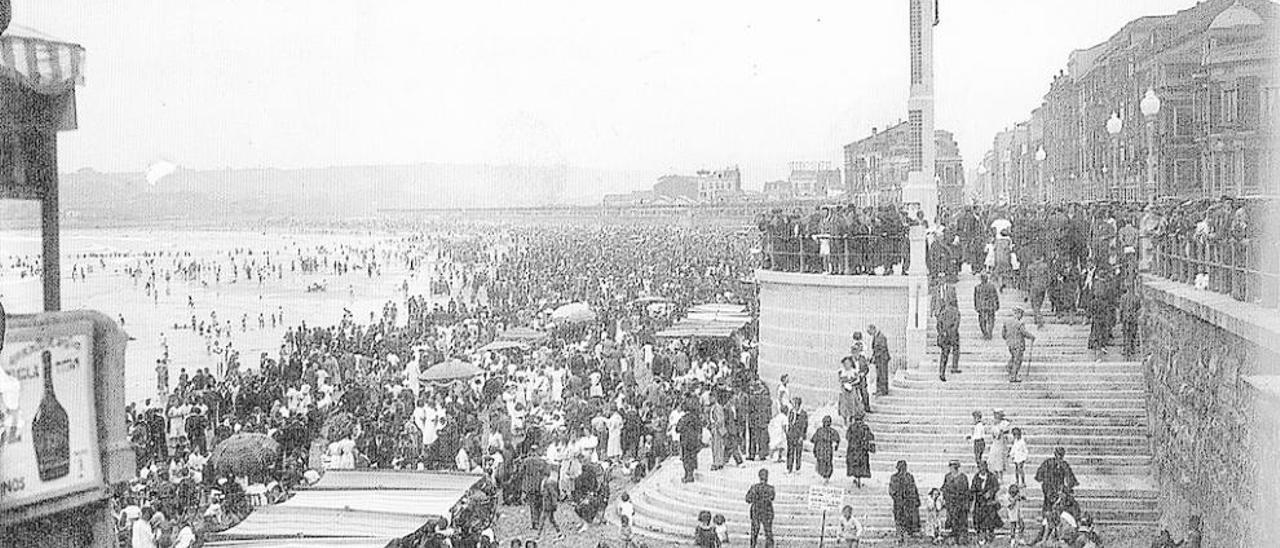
{"type": "Point", "coordinates": [1210, 435]}
{"type": "Point", "coordinates": [807, 323]}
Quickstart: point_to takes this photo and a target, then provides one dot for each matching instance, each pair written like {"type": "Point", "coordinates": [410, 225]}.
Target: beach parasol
{"type": "Point", "coordinates": [245, 454]}
{"type": "Point", "coordinates": [503, 345]}
{"type": "Point", "coordinates": [449, 371]}
{"type": "Point", "coordinates": [573, 313]}
{"type": "Point", "coordinates": [521, 334]}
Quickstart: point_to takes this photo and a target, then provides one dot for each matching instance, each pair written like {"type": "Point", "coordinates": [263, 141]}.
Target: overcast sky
{"type": "Point", "coordinates": [654, 86]}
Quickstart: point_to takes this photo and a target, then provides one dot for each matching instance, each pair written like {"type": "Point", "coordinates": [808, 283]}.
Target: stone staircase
{"type": "Point", "coordinates": [1092, 407]}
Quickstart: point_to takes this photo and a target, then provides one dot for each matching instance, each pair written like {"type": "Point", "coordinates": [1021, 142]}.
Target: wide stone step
{"type": "Point", "coordinates": [893, 406]}
{"type": "Point", "coordinates": [1025, 396]}
{"type": "Point", "coordinates": [1042, 421]}
{"type": "Point", "coordinates": [887, 456]}
{"type": "Point", "coordinates": [959, 381]}
{"type": "Point", "coordinates": [1031, 432]}
{"type": "Point", "coordinates": [996, 371]}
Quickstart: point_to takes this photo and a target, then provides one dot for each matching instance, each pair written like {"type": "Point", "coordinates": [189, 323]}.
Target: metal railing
{"type": "Point", "coordinates": [1247, 270]}
{"type": "Point", "coordinates": [867, 255]}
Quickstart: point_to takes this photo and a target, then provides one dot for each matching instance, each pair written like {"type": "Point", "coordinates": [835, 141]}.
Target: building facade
{"type": "Point", "coordinates": [814, 179]}
{"type": "Point", "coordinates": [705, 186]}
{"type": "Point", "coordinates": [876, 167]}
{"type": "Point", "coordinates": [1212, 68]}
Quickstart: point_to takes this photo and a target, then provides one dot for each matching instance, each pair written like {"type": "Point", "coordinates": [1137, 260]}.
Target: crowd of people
{"type": "Point", "coordinates": [550, 419]}
{"type": "Point", "coordinates": [837, 239]}
{"type": "Point", "coordinates": [547, 421]}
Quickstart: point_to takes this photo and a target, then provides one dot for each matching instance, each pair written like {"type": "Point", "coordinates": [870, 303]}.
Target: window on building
{"type": "Point", "coordinates": [1184, 121]}
{"type": "Point", "coordinates": [1251, 171]}
{"type": "Point", "coordinates": [1184, 175]}
{"type": "Point", "coordinates": [1271, 102]}
{"type": "Point", "coordinates": [1230, 105]}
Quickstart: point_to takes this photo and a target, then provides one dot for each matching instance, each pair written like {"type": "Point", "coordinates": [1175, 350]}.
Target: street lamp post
{"type": "Point", "coordinates": [1114, 125]}
{"type": "Point", "coordinates": [1150, 106]}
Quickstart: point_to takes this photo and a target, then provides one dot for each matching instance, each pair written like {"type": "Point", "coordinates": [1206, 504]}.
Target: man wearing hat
{"type": "Point", "coordinates": [1015, 336]}
{"type": "Point", "coordinates": [760, 496]}
{"type": "Point", "coordinates": [957, 498]}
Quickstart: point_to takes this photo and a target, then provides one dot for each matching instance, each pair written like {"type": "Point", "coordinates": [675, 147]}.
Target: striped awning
{"type": "Point", "coordinates": [39, 62]}
{"type": "Point", "coordinates": [355, 504]}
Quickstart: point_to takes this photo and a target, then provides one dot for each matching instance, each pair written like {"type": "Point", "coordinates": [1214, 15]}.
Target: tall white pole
{"type": "Point", "coordinates": [921, 187]}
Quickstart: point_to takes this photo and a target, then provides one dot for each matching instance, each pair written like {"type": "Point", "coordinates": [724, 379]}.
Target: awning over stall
{"type": "Point", "coordinates": [709, 321]}
{"type": "Point", "coordinates": [352, 506]}
{"type": "Point", "coordinates": [39, 62]}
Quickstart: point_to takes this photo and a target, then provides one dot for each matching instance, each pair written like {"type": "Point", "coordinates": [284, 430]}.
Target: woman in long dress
{"type": "Point", "coordinates": [997, 455]}
{"type": "Point", "coordinates": [614, 445]}
{"type": "Point", "coordinates": [850, 403]}
{"type": "Point", "coordinates": [825, 443]}
{"type": "Point", "coordinates": [858, 453]}
{"type": "Point", "coordinates": [716, 424]}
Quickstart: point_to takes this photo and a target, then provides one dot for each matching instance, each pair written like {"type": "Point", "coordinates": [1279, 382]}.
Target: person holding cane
{"type": "Point", "coordinates": [1016, 336]}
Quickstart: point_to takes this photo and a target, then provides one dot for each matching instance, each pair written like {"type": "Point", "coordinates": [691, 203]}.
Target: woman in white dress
{"type": "Point", "coordinates": [997, 454]}
{"type": "Point", "coordinates": [614, 423]}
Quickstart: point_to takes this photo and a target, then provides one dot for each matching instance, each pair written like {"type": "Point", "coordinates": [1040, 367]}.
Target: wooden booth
{"type": "Point", "coordinates": [63, 438]}
{"type": "Point", "coordinates": [38, 77]}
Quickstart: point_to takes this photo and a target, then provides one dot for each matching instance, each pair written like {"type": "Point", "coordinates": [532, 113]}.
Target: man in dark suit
{"type": "Point", "coordinates": [760, 496]}
{"type": "Point", "coordinates": [880, 359]}
{"type": "Point", "coordinates": [957, 498]}
{"type": "Point", "coordinates": [986, 300]}
{"type": "Point", "coordinates": [1015, 337]}
{"type": "Point", "coordinates": [797, 432]}
{"type": "Point", "coordinates": [533, 472]}
{"type": "Point", "coordinates": [759, 409]}
{"type": "Point", "coordinates": [949, 337]}
{"type": "Point", "coordinates": [986, 510]}
{"type": "Point", "coordinates": [690, 429]}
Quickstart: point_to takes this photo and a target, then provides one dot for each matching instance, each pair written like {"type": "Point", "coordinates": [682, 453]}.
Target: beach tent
{"type": "Point", "coordinates": [352, 508]}
{"type": "Point", "coordinates": [521, 334]}
{"type": "Point", "coordinates": [709, 321]}
{"type": "Point", "coordinates": [573, 313]}
{"type": "Point", "coordinates": [496, 346]}
{"type": "Point", "coordinates": [450, 371]}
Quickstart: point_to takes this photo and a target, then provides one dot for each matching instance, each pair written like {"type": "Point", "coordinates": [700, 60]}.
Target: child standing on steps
{"type": "Point", "coordinates": [1018, 453]}
{"type": "Point", "coordinates": [978, 437]}
{"type": "Point", "coordinates": [850, 528]}
{"type": "Point", "coordinates": [1013, 506]}
{"type": "Point", "coordinates": [704, 535]}
{"type": "Point", "coordinates": [722, 529]}
{"type": "Point", "coordinates": [936, 515]}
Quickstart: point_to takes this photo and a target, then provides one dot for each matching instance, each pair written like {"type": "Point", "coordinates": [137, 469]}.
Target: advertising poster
{"type": "Point", "coordinates": [48, 427]}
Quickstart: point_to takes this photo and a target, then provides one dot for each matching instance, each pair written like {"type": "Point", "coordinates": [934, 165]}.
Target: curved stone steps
{"type": "Point", "coordinates": [796, 519]}
{"type": "Point", "coordinates": [1093, 405]}
{"type": "Point", "coordinates": [667, 507]}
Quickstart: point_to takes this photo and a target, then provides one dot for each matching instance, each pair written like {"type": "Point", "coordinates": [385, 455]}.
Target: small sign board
{"type": "Point", "coordinates": [823, 497]}
{"type": "Point", "coordinates": [48, 424]}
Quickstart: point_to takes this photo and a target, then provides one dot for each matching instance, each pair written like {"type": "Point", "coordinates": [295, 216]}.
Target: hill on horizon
{"type": "Point", "coordinates": [333, 191]}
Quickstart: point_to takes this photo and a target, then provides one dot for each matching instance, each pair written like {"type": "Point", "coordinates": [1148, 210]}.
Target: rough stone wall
{"type": "Point", "coordinates": [1209, 439]}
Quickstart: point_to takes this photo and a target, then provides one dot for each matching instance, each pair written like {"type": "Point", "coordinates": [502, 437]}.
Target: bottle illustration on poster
{"type": "Point", "coordinates": [50, 430]}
